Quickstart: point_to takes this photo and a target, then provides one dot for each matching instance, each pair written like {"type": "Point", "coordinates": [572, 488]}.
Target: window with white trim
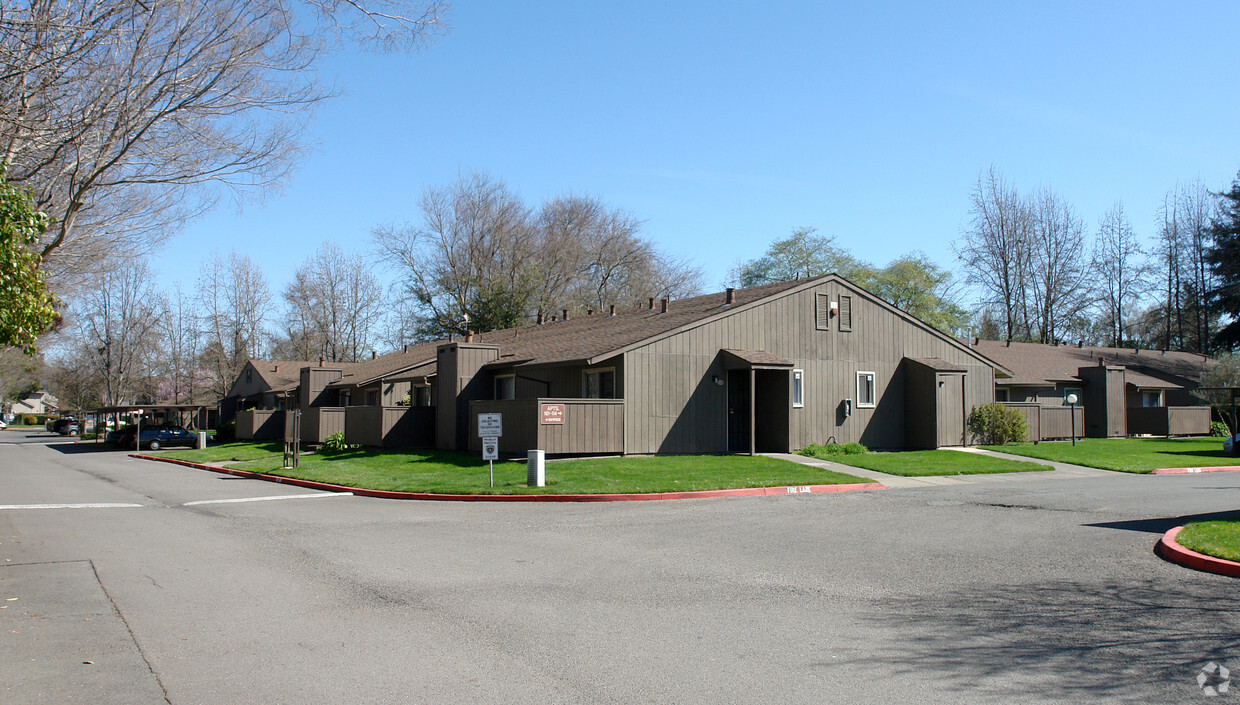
{"type": "Point", "coordinates": [798, 388]}
{"type": "Point", "coordinates": [865, 390]}
{"type": "Point", "coordinates": [505, 386]}
{"type": "Point", "coordinates": [599, 384]}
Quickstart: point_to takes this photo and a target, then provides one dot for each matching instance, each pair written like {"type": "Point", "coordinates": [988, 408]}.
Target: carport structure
{"type": "Point", "coordinates": [199, 419]}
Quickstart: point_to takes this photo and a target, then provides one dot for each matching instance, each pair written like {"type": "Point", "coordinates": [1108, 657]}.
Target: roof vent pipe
{"type": "Point", "coordinates": [322, 360]}
{"type": "Point", "coordinates": [451, 335]}
{"type": "Point", "coordinates": [406, 348]}
{"type": "Point", "coordinates": [612, 311]}
{"type": "Point", "coordinates": [1080, 343]}
{"type": "Point", "coordinates": [651, 303]}
{"type": "Point", "coordinates": [276, 368]}
{"type": "Point", "coordinates": [730, 296]}
{"type": "Point", "coordinates": [1101, 363]}
{"type": "Point", "coordinates": [469, 336]}
{"type": "Point", "coordinates": [589, 312]}
{"type": "Point", "coordinates": [663, 307]}
{"type": "Point", "coordinates": [565, 315]}
{"type": "Point", "coordinates": [373, 354]}
{"type": "Point", "coordinates": [540, 318]}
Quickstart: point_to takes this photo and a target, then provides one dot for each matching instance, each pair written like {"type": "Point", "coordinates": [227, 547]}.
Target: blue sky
{"type": "Point", "coordinates": [725, 125]}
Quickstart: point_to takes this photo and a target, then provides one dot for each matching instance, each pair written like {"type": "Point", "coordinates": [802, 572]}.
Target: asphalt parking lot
{"type": "Point", "coordinates": [131, 581]}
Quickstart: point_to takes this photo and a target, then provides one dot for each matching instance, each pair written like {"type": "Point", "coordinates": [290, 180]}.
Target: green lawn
{"type": "Point", "coordinates": [916, 463]}
{"type": "Point", "coordinates": [1139, 455]}
{"type": "Point", "coordinates": [1220, 539]}
{"type": "Point", "coordinates": [450, 472]}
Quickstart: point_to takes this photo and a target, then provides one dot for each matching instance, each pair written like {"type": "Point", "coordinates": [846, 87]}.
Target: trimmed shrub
{"type": "Point", "coordinates": [817, 450]}
{"type": "Point", "coordinates": [226, 432]}
{"type": "Point", "coordinates": [996, 424]}
{"type": "Point", "coordinates": [32, 420]}
{"type": "Point", "coordinates": [1218, 428]}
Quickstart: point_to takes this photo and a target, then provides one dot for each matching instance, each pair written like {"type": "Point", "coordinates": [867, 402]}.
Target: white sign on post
{"type": "Point", "coordinates": [490, 448]}
{"type": "Point", "coordinates": [490, 425]}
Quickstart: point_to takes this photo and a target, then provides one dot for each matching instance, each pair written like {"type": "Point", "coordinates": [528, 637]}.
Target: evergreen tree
{"type": "Point", "coordinates": [1224, 260]}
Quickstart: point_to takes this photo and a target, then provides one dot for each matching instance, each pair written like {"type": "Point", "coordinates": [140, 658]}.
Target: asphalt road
{"type": "Point", "coordinates": [1030, 590]}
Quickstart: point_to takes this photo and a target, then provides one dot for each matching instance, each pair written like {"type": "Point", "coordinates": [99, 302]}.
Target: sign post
{"type": "Point", "coordinates": [490, 428]}
{"type": "Point", "coordinates": [137, 432]}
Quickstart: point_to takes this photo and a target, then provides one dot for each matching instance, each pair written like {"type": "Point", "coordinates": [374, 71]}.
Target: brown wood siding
{"type": "Point", "coordinates": [673, 406]}
{"type": "Point", "coordinates": [319, 422]}
{"type": "Point", "coordinates": [591, 426]}
{"type": "Point", "coordinates": [1169, 420]}
{"type": "Point", "coordinates": [408, 427]}
{"type": "Point", "coordinates": [314, 381]}
{"type": "Point", "coordinates": [363, 426]}
{"type": "Point", "coordinates": [260, 424]}
{"type": "Point", "coordinates": [1050, 422]}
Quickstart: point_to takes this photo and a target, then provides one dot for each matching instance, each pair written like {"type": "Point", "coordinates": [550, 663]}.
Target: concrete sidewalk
{"type": "Point", "coordinates": [1061, 471]}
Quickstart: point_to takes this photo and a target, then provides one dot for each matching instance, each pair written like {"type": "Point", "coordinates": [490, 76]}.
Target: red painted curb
{"type": "Point", "coordinates": [1193, 471]}
{"type": "Point", "coordinates": [1170, 549]}
{"type": "Point", "coordinates": [383, 494]}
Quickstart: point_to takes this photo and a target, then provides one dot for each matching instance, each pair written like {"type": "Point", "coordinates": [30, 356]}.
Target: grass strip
{"type": "Point", "coordinates": [919, 463]}
{"type": "Point", "coordinates": [452, 472]}
{"type": "Point", "coordinates": [1135, 455]}
{"type": "Point", "coordinates": [1220, 538]}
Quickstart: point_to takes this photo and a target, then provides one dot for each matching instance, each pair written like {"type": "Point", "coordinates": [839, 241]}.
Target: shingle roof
{"type": "Point", "coordinates": [368, 371]}
{"type": "Point", "coordinates": [589, 337]}
{"type": "Point", "coordinates": [280, 375]}
{"type": "Point", "coordinates": [938, 364]}
{"type": "Point", "coordinates": [1034, 364]}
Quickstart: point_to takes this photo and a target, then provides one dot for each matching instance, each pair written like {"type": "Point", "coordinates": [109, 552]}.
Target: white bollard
{"type": "Point", "coordinates": [536, 468]}
{"type": "Point", "coordinates": [202, 440]}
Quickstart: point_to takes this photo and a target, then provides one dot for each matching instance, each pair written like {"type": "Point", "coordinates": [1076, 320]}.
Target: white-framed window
{"type": "Point", "coordinates": [599, 384]}
{"type": "Point", "coordinates": [1080, 396]}
{"type": "Point", "coordinates": [865, 390]}
{"type": "Point", "coordinates": [798, 388]}
{"type": "Point", "coordinates": [505, 386]}
{"type": "Point", "coordinates": [1151, 397]}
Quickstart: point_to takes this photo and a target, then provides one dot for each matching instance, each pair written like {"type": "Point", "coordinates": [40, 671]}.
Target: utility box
{"type": "Point", "coordinates": [536, 468]}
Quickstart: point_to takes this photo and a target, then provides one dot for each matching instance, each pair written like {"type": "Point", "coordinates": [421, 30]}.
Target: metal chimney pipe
{"type": "Point", "coordinates": [612, 310]}
{"type": "Point", "coordinates": [651, 303]}
{"type": "Point", "coordinates": [565, 315]}
{"type": "Point", "coordinates": [664, 305]}
{"type": "Point", "coordinates": [730, 296]}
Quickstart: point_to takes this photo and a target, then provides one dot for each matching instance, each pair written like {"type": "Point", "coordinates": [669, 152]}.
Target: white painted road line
{"type": "Point", "coordinates": [99, 505]}
{"type": "Point", "coordinates": [267, 499]}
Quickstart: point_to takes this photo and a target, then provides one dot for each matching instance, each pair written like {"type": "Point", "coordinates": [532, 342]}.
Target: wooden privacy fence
{"type": "Point", "coordinates": [319, 422]}
{"type": "Point", "coordinates": [1050, 422]}
{"type": "Point", "coordinates": [1169, 420]}
{"type": "Point", "coordinates": [557, 426]}
{"type": "Point", "coordinates": [260, 424]}
{"type": "Point", "coordinates": [390, 426]}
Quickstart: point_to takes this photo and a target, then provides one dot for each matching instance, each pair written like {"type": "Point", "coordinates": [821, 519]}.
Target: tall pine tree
{"type": "Point", "coordinates": [1224, 260]}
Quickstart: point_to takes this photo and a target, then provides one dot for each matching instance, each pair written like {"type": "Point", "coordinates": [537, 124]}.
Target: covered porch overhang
{"type": "Point", "coordinates": [749, 401]}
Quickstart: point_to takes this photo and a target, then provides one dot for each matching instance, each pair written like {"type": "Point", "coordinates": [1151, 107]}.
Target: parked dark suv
{"type": "Point", "coordinates": [154, 436]}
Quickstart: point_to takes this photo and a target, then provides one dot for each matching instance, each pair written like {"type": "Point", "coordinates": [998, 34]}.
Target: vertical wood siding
{"type": "Point", "coordinates": [673, 406]}
{"type": "Point", "coordinates": [591, 426]}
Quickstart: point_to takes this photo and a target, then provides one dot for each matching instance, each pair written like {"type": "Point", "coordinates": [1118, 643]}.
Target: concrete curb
{"type": "Point", "coordinates": [1193, 471]}
{"type": "Point", "coordinates": [382, 494]}
{"type": "Point", "coordinates": [1168, 548]}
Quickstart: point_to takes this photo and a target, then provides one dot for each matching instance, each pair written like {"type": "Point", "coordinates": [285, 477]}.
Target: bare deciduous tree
{"type": "Point", "coordinates": [122, 116]}
{"type": "Point", "coordinates": [996, 250]}
{"type": "Point", "coordinates": [235, 301]}
{"type": "Point", "coordinates": [118, 324]}
{"type": "Point", "coordinates": [1120, 270]}
{"type": "Point", "coordinates": [1058, 266]}
{"type": "Point", "coordinates": [481, 260]}
{"type": "Point", "coordinates": [333, 306]}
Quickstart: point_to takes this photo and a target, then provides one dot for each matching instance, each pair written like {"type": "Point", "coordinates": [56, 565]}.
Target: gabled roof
{"type": "Point", "coordinates": [595, 338]}
{"type": "Point", "coordinates": [385, 366]}
{"type": "Point", "coordinates": [1035, 364]}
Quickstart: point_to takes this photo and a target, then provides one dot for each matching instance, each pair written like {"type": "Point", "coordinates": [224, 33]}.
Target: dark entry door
{"type": "Point", "coordinates": [738, 411]}
{"type": "Point", "coordinates": [950, 409]}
